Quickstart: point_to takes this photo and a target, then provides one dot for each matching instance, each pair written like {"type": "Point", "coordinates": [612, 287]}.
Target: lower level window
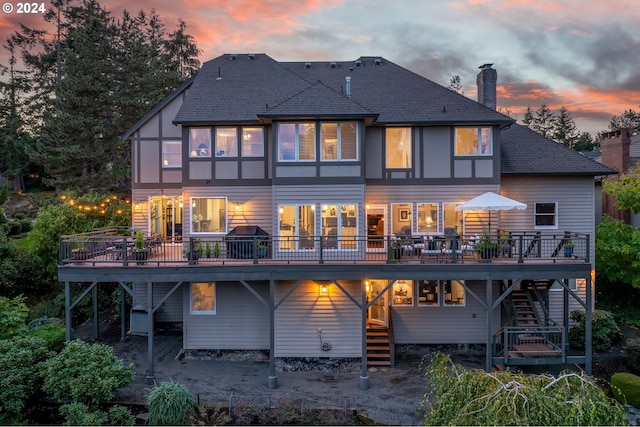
{"type": "Point", "coordinates": [203, 298]}
{"type": "Point", "coordinates": [403, 292]}
{"type": "Point", "coordinates": [454, 292]}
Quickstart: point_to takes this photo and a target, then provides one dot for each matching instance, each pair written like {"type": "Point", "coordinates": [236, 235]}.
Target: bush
{"type": "Point", "coordinates": [13, 313]}
{"type": "Point", "coordinates": [20, 215]}
{"type": "Point", "coordinates": [21, 379]}
{"type": "Point", "coordinates": [53, 334]}
{"type": "Point", "coordinates": [86, 373]}
{"type": "Point", "coordinates": [77, 414]}
{"type": "Point", "coordinates": [15, 227]}
{"type": "Point", "coordinates": [20, 272]}
{"type": "Point", "coordinates": [626, 388]}
{"type": "Point", "coordinates": [26, 225]}
{"type": "Point", "coordinates": [473, 397]}
{"type": "Point", "coordinates": [169, 403]}
{"type": "Point", "coordinates": [604, 330]}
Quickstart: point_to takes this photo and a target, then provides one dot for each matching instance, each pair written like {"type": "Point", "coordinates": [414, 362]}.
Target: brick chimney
{"type": "Point", "coordinates": [615, 154]}
{"type": "Point", "coordinates": [486, 81]}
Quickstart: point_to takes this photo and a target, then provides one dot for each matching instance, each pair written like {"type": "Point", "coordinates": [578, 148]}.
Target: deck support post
{"type": "Point", "coordinates": [588, 342]}
{"type": "Point", "coordinates": [364, 376]}
{"type": "Point", "coordinates": [150, 326]}
{"type": "Point", "coordinates": [489, 351]}
{"type": "Point", "coordinates": [565, 313]}
{"type": "Point", "coordinates": [123, 320]}
{"type": "Point", "coordinates": [273, 379]}
{"type": "Point", "coordinates": [67, 310]}
{"type": "Point", "coordinates": [96, 318]}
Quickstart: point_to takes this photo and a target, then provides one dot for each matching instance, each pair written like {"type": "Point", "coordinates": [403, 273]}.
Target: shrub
{"type": "Point", "coordinates": [604, 330]}
{"type": "Point", "coordinates": [86, 373]}
{"type": "Point", "coordinates": [20, 382]}
{"type": "Point", "coordinates": [169, 403]}
{"type": "Point", "coordinates": [626, 388]}
{"type": "Point", "coordinates": [53, 334]}
{"type": "Point", "coordinates": [13, 313]}
{"type": "Point", "coordinates": [77, 414]}
{"type": "Point", "coordinates": [19, 215]}
{"type": "Point", "coordinates": [20, 272]}
{"type": "Point", "coordinates": [632, 350]}
{"type": "Point", "coordinates": [472, 397]}
{"type": "Point", "coordinates": [15, 227]}
{"type": "Point", "coordinates": [26, 225]}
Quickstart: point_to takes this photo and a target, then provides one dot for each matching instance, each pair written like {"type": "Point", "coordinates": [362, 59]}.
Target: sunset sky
{"type": "Point", "coordinates": [581, 54]}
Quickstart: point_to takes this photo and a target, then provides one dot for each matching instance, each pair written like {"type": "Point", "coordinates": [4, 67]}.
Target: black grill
{"type": "Point", "coordinates": [247, 241]}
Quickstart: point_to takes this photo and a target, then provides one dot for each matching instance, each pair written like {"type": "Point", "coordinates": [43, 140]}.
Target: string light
{"type": "Point", "coordinates": [100, 207]}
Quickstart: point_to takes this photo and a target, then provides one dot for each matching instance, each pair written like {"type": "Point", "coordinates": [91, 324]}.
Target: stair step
{"type": "Point", "coordinates": [378, 356]}
{"type": "Point", "coordinates": [379, 363]}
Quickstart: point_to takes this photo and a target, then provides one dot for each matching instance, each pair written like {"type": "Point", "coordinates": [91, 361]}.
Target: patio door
{"type": "Point", "coordinates": [378, 313]}
{"type": "Point", "coordinates": [166, 216]}
{"type": "Point", "coordinates": [376, 228]}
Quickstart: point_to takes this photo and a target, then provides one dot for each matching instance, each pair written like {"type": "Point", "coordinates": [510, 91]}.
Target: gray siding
{"type": "Point", "coordinates": [305, 311]}
{"type": "Point", "coordinates": [437, 152]}
{"type": "Point", "coordinates": [170, 311]}
{"type": "Point", "coordinates": [445, 324]}
{"type": "Point", "coordinates": [241, 321]}
{"type": "Point", "coordinates": [255, 200]}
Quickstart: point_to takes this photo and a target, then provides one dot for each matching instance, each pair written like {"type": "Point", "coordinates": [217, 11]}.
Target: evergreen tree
{"type": "Point", "coordinates": [455, 84]}
{"type": "Point", "coordinates": [585, 142]}
{"type": "Point", "coordinates": [91, 79]}
{"type": "Point", "coordinates": [528, 118]}
{"type": "Point", "coordinates": [564, 129]}
{"type": "Point", "coordinates": [543, 122]}
{"type": "Point", "coordinates": [629, 120]}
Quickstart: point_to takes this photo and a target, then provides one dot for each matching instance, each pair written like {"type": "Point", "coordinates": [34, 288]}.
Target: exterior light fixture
{"type": "Point", "coordinates": [324, 290]}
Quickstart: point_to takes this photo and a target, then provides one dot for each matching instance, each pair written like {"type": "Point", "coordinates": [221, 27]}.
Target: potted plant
{"type": "Point", "coordinates": [261, 247]}
{"type": "Point", "coordinates": [197, 250]}
{"type": "Point", "coordinates": [140, 254]}
{"type": "Point", "coordinates": [486, 248]}
{"type": "Point", "coordinates": [568, 248]}
{"type": "Point", "coordinates": [80, 252]}
{"type": "Point", "coordinates": [216, 250]}
{"type": "Point", "coordinates": [207, 250]}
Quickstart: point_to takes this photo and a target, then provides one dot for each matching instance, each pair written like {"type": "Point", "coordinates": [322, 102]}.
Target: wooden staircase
{"type": "Point", "coordinates": [524, 310]}
{"type": "Point", "coordinates": [378, 346]}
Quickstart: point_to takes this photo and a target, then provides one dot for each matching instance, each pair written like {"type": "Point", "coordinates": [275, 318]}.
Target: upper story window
{"type": "Point", "coordinates": [209, 215]}
{"type": "Point", "coordinates": [472, 141]}
{"type": "Point", "coordinates": [398, 148]}
{"type": "Point", "coordinates": [200, 142]}
{"type": "Point", "coordinates": [171, 154]}
{"type": "Point", "coordinates": [226, 142]}
{"type": "Point", "coordinates": [252, 142]}
{"type": "Point", "coordinates": [339, 141]}
{"type": "Point", "coordinates": [546, 215]}
{"type": "Point", "coordinates": [296, 142]}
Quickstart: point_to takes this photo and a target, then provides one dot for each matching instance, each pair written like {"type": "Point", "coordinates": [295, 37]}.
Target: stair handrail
{"type": "Point", "coordinates": [543, 304]}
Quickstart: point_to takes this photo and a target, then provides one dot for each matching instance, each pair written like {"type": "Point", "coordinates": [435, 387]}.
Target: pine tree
{"type": "Point", "coordinates": [629, 120]}
{"type": "Point", "coordinates": [455, 84]}
{"type": "Point", "coordinates": [528, 118]}
{"type": "Point", "coordinates": [564, 129]}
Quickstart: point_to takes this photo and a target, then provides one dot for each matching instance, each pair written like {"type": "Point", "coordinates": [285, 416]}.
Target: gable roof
{"type": "Point", "coordinates": [244, 88]}
{"type": "Point", "coordinates": [526, 152]}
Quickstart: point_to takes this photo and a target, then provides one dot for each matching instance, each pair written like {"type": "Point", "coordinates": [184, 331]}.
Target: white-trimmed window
{"type": "Point", "coordinates": [429, 293]}
{"type": "Point", "coordinates": [453, 219]}
{"type": "Point", "coordinates": [398, 148]}
{"type": "Point", "coordinates": [454, 293]}
{"type": "Point", "coordinates": [297, 227]}
{"type": "Point", "coordinates": [339, 226]}
{"type": "Point", "coordinates": [401, 219]}
{"type": "Point", "coordinates": [252, 142]}
{"type": "Point", "coordinates": [172, 154]}
{"type": "Point", "coordinates": [403, 292]}
{"type": "Point", "coordinates": [226, 142]}
{"type": "Point", "coordinates": [209, 215]}
{"type": "Point", "coordinates": [339, 141]}
{"type": "Point", "coordinates": [200, 142]}
{"type": "Point", "coordinates": [545, 215]}
{"type": "Point", "coordinates": [428, 220]}
{"type": "Point", "coordinates": [203, 298]}
{"type": "Point", "coordinates": [473, 141]}
{"type": "Point", "coordinates": [296, 142]}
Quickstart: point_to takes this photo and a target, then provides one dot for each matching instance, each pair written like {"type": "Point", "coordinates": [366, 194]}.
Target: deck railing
{"type": "Point", "coordinates": [118, 245]}
{"type": "Point", "coordinates": [516, 342]}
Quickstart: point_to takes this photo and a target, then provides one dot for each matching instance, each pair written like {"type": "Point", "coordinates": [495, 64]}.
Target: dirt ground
{"type": "Point", "coordinates": [393, 398]}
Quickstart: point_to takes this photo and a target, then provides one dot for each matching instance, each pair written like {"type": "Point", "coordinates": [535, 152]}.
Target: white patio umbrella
{"type": "Point", "coordinates": [490, 201]}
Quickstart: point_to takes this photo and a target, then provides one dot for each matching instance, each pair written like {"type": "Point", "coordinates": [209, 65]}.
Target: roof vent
{"type": "Point", "coordinates": [307, 65]}
{"type": "Point", "coordinates": [233, 57]}
{"type": "Point", "coordinates": [333, 65]}
{"type": "Point", "coordinates": [252, 56]}
{"type": "Point", "coordinates": [377, 61]}
{"type": "Point", "coordinates": [358, 63]}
